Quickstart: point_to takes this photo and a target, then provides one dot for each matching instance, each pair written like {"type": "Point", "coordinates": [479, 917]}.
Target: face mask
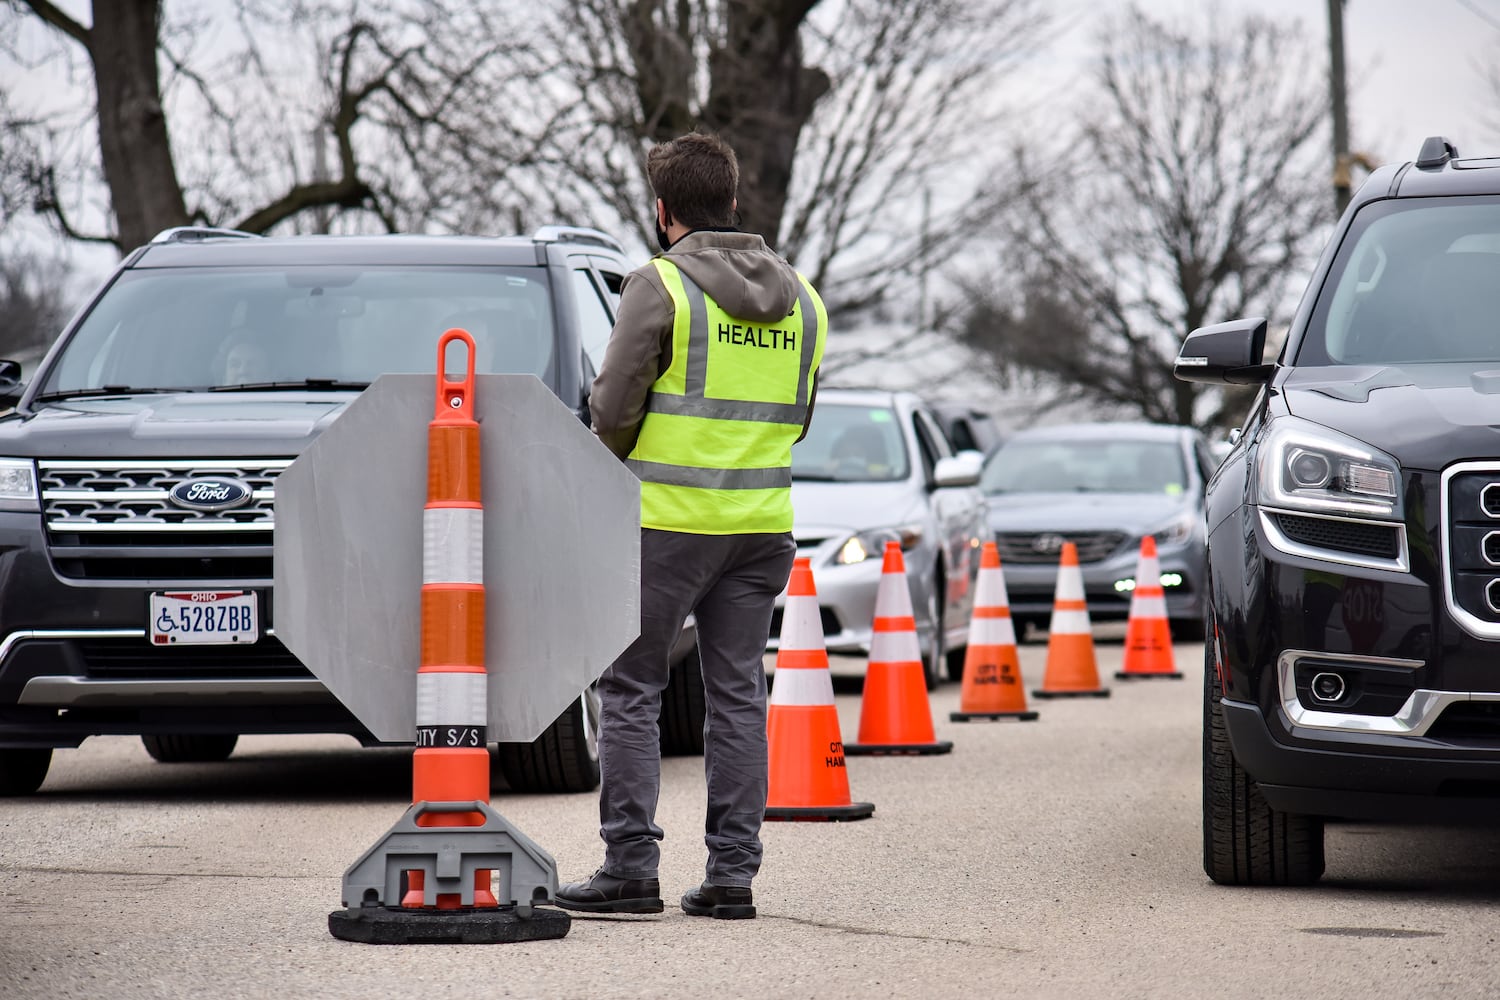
{"type": "Point", "coordinates": [661, 238]}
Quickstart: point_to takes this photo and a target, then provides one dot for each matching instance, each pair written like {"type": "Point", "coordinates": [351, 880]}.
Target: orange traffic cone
{"type": "Point", "coordinates": [1071, 669]}
{"type": "Point", "coordinates": [894, 716]}
{"type": "Point", "coordinates": [1148, 638]}
{"type": "Point", "coordinates": [992, 668]}
{"type": "Point", "coordinates": [808, 779]}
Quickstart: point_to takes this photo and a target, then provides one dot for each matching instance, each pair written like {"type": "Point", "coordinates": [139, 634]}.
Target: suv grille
{"type": "Point", "coordinates": [1472, 532]}
{"type": "Point", "coordinates": [1043, 547]}
{"type": "Point", "coordinates": [1342, 536]}
{"type": "Point", "coordinates": [138, 658]}
{"type": "Point", "coordinates": [112, 520]}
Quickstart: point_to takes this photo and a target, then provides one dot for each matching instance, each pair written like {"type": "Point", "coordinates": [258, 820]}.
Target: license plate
{"type": "Point", "coordinates": [204, 617]}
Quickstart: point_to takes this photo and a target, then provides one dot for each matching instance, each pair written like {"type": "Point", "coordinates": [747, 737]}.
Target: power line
{"type": "Point", "coordinates": [1480, 13]}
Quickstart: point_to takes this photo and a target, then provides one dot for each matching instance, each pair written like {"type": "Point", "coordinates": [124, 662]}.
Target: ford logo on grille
{"type": "Point", "coordinates": [209, 494]}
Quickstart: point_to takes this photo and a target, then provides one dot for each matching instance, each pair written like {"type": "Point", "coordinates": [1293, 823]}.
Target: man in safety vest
{"type": "Point", "coordinates": [708, 380]}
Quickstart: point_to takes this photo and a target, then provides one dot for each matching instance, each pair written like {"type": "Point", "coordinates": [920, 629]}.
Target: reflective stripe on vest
{"type": "Point", "coordinates": [721, 463]}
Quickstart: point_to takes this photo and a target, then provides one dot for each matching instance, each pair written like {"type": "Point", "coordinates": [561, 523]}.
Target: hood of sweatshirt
{"type": "Point", "coordinates": [745, 277]}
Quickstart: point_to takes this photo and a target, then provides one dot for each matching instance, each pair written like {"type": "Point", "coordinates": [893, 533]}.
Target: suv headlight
{"type": "Point", "coordinates": [870, 544]}
{"type": "Point", "coordinates": [1306, 466]}
{"type": "Point", "coordinates": [18, 484]}
{"type": "Point", "coordinates": [1177, 530]}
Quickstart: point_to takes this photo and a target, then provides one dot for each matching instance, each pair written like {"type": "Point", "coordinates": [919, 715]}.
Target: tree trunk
{"type": "Point", "coordinates": [133, 143]}
{"type": "Point", "coordinates": [760, 97]}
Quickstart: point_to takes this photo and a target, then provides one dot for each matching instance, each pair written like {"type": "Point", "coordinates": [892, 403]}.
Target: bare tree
{"type": "Point", "coordinates": [401, 94]}
{"type": "Point", "coordinates": [33, 307]}
{"type": "Point", "coordinates": [841, 113]}
{"type": "Point", "coordinates": [1194, 192]}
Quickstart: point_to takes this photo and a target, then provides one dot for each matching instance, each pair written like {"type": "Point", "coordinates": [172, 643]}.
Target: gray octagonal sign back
{"type": "Point", "coordinates": [561, 553]}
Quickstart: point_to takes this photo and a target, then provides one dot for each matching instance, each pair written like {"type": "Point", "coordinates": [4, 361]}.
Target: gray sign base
{"type": "Point", "coordinates": [449, 857]}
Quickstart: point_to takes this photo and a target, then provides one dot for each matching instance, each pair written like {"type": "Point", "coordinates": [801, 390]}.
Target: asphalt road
{"type": "Point", "coordinates": [1059, 858]}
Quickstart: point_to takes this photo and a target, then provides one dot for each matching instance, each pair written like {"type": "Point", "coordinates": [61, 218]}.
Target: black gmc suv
{"type": "Point", "coordinates": [139, 471]}
{"type": "Point", "coordinates": [1353, 661]}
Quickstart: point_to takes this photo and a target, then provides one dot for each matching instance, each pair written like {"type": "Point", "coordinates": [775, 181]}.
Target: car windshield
{"type": "Point", "coordinates": [1083, 466]}
{"type": "Point", "coordinates": [849, 443]}
{"type": "Point", "coordinates": [1414, 281]}
{"type": "Point", "coordinates": [208, 327]}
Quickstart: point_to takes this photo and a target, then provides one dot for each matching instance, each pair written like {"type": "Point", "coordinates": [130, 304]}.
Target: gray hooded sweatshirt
{"type": "Point", "coordinates": [737, 270]}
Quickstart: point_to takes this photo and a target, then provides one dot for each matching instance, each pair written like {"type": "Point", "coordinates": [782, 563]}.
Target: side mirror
{"type": "Point", "coordinates": [1225, 354]}
{"type": "Point", "coordinates": [11, 386]}
{"type": "Point", "coordinates": [960, 470]}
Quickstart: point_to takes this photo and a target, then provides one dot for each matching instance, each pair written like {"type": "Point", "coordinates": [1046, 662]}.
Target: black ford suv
{"type": "Point", "coordinates": [1354, 535]}
{"type": "Point", "coordinates": [138, 473]}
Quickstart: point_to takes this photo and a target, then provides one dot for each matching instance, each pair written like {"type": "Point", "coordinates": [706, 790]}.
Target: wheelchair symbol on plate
{"type": "Point", "coordinates": [164, 621]}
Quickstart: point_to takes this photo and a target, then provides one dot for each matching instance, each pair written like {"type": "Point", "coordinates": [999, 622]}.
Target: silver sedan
{"type": "Point", "coordinates": [874, 467]}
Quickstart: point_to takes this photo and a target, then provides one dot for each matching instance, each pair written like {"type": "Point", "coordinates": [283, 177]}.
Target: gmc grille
{"type": "Point", "coordinates": [1471, 503]}
{"type": "Point", "coordinates": [1044, 546]}
{"type": "Point", "coordinates": [112, 520]}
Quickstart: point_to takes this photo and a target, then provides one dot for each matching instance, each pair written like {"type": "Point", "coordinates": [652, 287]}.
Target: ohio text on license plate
{"type": "Point", "coordinates": [203, 617]}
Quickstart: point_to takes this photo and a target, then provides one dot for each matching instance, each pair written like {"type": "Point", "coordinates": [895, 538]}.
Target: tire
{"type": "Point", "coordinates": [1245, 841]}
{"type": "Point", "coordinates": [565, 758]}
{"type": "Point", "coordinates": [683, 709]}
{"type": "Point", "coordinates": [934, 657]}
{"type": "Point", "coordinates": [190, 748]}
{"type": "Point", "coordinates": [23, 769]}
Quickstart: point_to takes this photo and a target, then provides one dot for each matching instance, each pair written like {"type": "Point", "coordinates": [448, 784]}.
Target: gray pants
{"type": "Point", "coordinates": [730, 582]}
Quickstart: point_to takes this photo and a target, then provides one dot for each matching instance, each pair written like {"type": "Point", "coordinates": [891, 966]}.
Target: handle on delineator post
{"type": "Point", "coordinates": [455, 400]}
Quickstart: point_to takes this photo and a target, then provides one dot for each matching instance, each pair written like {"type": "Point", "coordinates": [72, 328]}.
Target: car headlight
{"type": "Point", "coordinates": [871, 544]}
{"type": "Point", "coordinates": [1306, 466]}
{"type": "Point", "coordinates": [1177, 530]}
{"type": "Point", "coordinates": [18, 484]}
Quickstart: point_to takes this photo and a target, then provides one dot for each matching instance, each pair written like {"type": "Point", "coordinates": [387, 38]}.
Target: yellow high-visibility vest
{"type": "Point", "coordinates": [714, 455]}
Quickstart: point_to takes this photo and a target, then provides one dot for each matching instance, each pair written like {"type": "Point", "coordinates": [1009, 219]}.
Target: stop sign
{"type": "Point", "coordinates": [561, 553]}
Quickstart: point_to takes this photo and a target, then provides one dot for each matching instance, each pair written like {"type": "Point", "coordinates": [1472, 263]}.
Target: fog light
{"type": "Point", "coordinates": [1327, 687]}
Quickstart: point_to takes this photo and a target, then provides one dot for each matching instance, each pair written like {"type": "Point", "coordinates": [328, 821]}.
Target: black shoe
{"type": "Point", "coordinates": [603, 893]}
{"type": "Point", "coordinates": [726, 902]}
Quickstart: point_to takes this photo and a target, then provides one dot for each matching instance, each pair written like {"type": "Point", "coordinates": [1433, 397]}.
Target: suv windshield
{"type": "Point", "coordinates": [1021, 466]}
{"type": "Point", "coordinates": [1414, 281]}
{"type": "Point", "coordinates": [208, 327]}
{"type": "Point", "coordinates": [847, 443]}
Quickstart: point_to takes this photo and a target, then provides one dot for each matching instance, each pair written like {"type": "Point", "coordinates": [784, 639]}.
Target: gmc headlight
{"type": "Point", "coordinates": [1177, 530]}
{"type": "Point", "coordinates": [18, 484]}
{"type": "Point", "coordinates": [1306, 466]}
{"type": "Point", "coordinates": [871, 544]}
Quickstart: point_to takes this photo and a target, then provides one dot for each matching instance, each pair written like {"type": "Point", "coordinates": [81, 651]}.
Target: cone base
{"type": "Point", "coordinates": [393, 925]}
{"type": "Point", "coordinates": [1170, 675]}
{"type": "Point", "coordinates": [1018, 716]}
{"type": "Point", "coordinates": [833, 814]}
{"type": "Point", "coordinates": [1086, 693]}
{"type": "Point", "coordinates": [913, 749]}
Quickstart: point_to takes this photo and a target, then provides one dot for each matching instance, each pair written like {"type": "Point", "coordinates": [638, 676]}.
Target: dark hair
{"type": "Point", "coordinates": [696, 176]}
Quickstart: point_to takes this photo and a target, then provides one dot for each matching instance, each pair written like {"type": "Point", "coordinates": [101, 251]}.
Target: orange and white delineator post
{"type": "Point", "coordinates": [808, 779]}
{"type": "Point", "coordinates": [992, 686]}
{"type": "Point", "coordinates": [451, 762]}
{"type": "Point", "coordinates": [1148, 635]}
{"type": "Point", "coordinates": [1072, 670]}
{"type": "Point", "coordinates": [894, 714]}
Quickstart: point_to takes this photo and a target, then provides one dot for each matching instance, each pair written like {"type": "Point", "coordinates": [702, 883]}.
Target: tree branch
{"type": "Point", "coordinates": [51, 14]}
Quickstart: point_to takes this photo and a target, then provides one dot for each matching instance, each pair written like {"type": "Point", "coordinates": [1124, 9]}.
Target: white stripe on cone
{"type": "Point", "coordinates": [895, 647]}
{"type": "Point", "coordinates": [991, 632]}
{"type": "Point", "coordinates": [802, 687]}
{"type": "Point", "coordinates": [893, 599]}
{"type": "Point", "coordinates": [1154, 606]}
{"type": "Point", "coordinates": [451, 698]}
{"type": "Point", "coordinates": [1069, 584]}
{"type": "Point", "coordinates": [990, 591]}
{"type": "Point", "coordinates": [801, 624]}
{"type": "Point", "coordinates": [453, 545]}
{"type": "Point", "coordinates": [1070, 623]}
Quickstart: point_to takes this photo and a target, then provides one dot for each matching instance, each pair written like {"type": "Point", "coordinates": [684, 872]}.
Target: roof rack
{"type": "Point", "coordinates": [577, 234]}
{"type": "Point", "coordinates": [197, 234]}
{"type": "Point", "coordinates": [1436, 151]}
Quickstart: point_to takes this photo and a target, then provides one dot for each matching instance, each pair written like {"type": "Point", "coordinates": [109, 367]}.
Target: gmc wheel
{"type": "Point", "coordinates": [1245, 841]}
{"type": "Point", "coordinates": [565, 758]}
{"type": "Point", "coordinates": [683, 709]}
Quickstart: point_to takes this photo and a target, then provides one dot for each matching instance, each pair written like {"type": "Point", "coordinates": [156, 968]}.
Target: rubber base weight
{"type": "Point", "coordinates": [969, 716]}
{"type": "Point", "coordinates": [922, 749]}
{"type": "Point", "coordinates": [834, 814]}
{"type": "Point", "coordinates": [387, 925]}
